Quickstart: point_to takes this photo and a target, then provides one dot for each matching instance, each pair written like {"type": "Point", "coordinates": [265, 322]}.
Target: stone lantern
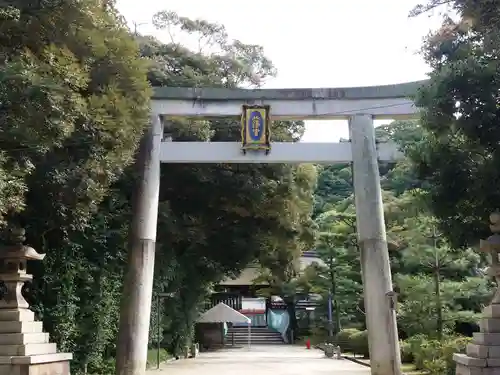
{"type": "Point", "coordinates": [13, 258]}
{"type": "Point", "coordinates": [483, 353]}
{"type": "Point", "coordinates": [491, 246]}
{"type": "Point", "coordinates": [24, 347]}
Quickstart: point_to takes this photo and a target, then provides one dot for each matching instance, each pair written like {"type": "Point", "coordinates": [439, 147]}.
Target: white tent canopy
{"type": "Point", "coordinates": [222, 313]}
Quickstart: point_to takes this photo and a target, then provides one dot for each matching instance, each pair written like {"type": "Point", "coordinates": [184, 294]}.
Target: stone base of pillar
{"type": "Point", "coordinates": [483, 354]}
{"type": "Point", "coordinates": [25, 349]}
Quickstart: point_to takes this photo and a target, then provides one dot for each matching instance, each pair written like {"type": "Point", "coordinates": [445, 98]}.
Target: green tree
{"type": "Point", "coordinates": [428, 260]}
{"type": "Point", "coordinates": [75, 101]}
{"type": "Point", "coordinates": [340, 275]}
{"type": "Point", "coordinates": [417, 315]}
{"type": "Point", "coordinates": [334, 185]}
{"type": "Point", "coordinates": [73, 111]}
{"type": "Point", "coordinates": [418, 266]}
{"type": "Point", "coordinates": [401, 176]}
{"type": "Point", "coordinates": [460, 154]}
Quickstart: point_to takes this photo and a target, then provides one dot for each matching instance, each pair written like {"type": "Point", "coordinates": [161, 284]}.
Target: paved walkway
{"type": "Point", "coordinates": [263, 360]}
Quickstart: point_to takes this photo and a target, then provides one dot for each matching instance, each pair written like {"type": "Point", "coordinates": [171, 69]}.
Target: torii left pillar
{"type": "Point", "coordinates": [132, 346]}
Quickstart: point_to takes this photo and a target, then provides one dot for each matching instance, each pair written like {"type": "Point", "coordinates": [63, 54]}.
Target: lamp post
{"type": "Point", "coordinates": [330, 314]}
{"type": "Point", "coordinates": [159, 296]}
{"type": "Point", "coordinates": [309, 310]}
{"type": "Point", "coordinates": [330, 310]}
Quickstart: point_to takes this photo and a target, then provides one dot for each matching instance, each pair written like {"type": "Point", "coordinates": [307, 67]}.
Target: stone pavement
{"type": "Point", "coordinates": [262, 360]}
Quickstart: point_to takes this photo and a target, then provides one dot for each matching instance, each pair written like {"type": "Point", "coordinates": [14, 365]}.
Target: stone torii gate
{"type": "Point", "coordinates": [359, 105]}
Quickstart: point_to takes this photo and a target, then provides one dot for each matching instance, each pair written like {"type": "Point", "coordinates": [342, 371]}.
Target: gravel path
{"type": "Point", "coordinates": [262, 360]}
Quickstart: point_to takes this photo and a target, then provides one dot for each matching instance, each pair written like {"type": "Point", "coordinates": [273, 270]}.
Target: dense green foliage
{"type": "Point", "coordinates": [72, 114]}
{"type": "Point", "coordinates": [441, 287]}
{"type": "Point", "coordinates": [74, 105]}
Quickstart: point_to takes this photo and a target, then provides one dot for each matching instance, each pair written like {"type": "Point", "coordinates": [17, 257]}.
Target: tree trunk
{"type": "Point", "coordinates": [335, 303]}
{"type": "Point", "coordinates": [439, 307]}
{"type": "Point", "coordinates": [333, 282]}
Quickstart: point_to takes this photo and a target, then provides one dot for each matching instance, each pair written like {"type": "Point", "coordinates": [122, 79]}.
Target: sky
{"type": "Point", "coordinates": [314, 43]}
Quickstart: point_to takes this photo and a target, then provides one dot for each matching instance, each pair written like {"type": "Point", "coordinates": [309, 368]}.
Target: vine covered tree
{"type": "Point", "coordinates": [75, 101]}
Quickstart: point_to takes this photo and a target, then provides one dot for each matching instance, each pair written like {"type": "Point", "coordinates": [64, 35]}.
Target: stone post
{"type": "Point", "coordinates": [385, 358]}
{"type": "Point", "coordinates": [24, 347]}
{"type": "Point", "coordinates": [132, 345]}
{"type": "Point", "coordinates": [483, 354]}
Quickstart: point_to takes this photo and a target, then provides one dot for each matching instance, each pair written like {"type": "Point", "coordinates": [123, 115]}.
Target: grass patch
{"type": "Point", "coordinates": [152, 357]}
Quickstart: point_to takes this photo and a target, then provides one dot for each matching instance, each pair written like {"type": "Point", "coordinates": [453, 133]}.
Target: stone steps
{"type": "Point", "coordinates": [258, 336]}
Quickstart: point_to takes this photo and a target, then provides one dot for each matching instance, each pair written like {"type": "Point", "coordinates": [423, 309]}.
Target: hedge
{"type": "Point", "coordinates": [433, 356]}
{"type": "Point", "coordinates": [353, 340]}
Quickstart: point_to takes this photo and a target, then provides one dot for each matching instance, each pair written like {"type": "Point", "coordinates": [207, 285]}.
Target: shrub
{"type": "Point", "coordinates": [359, 343]}
{"type": "Point", "coordinates": [433, 356]}
{"type": "Point", "coordinates": [318, 336]}
{"type": "Point", "coordinates": [406, 352]}
{"type": "Point", "coordinates": [450, 346]}
{"type": "Point", "coordinates": [436, 366]}
{"type": "Point", "coordinates": [428, 353]}
{"type": "Point", "coordinates": [414, 344]}
{"type": "Point", "coordinates": [344, 339]}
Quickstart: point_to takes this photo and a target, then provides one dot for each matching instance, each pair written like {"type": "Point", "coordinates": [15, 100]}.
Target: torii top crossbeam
{"type": "Point", "coordinates": [381, 102]}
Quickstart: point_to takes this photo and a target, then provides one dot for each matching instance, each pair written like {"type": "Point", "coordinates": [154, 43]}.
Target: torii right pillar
{"type": "Point", "coordinates": [385, 357]}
